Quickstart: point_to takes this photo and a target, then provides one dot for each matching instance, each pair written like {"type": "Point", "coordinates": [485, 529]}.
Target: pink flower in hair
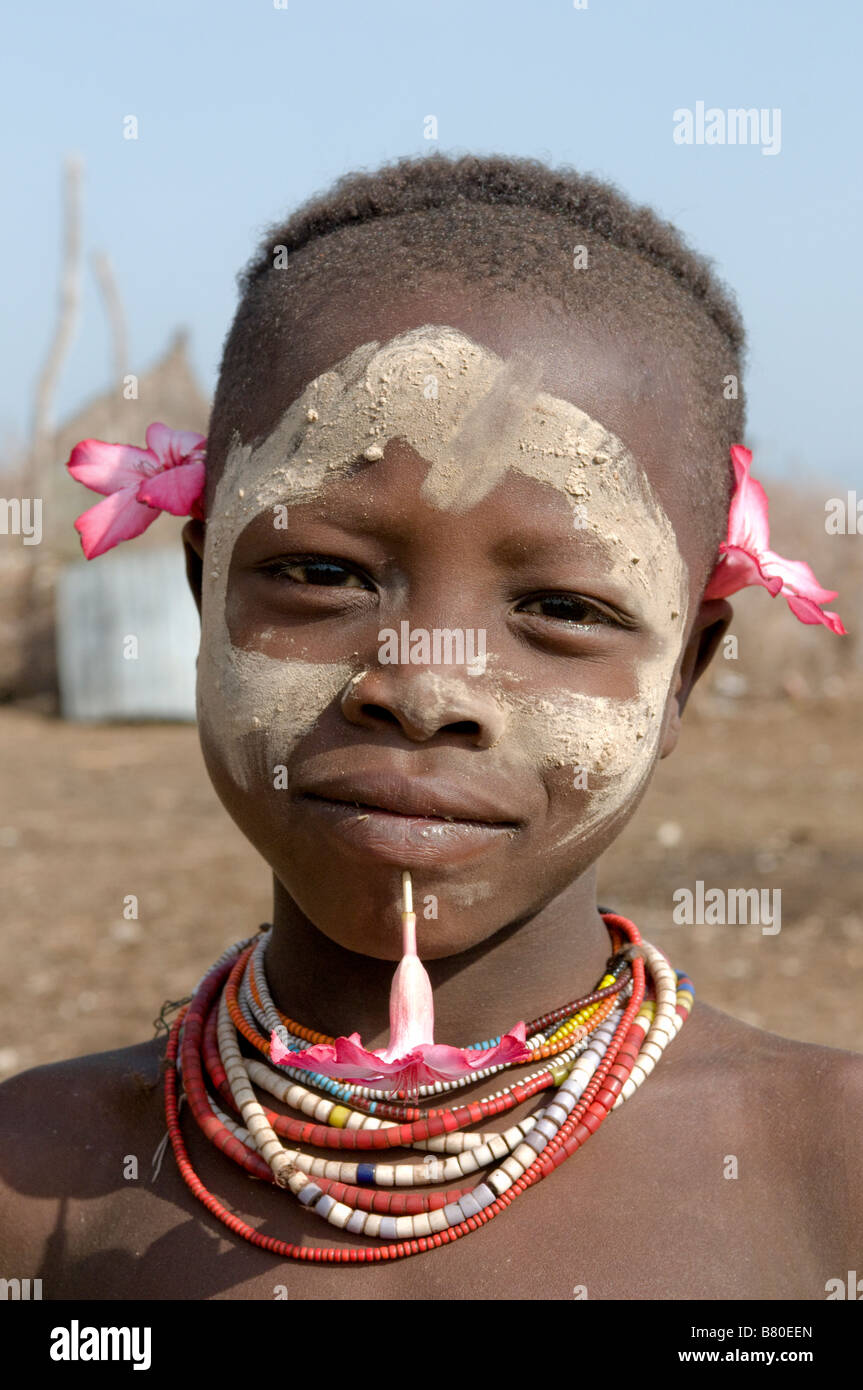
{"type": "Point", "coordinates": [411, 1059]}
{"type": "Point", "coordinates": [167, 476]}
{"type": "Point", "coordinates": [745, 558]}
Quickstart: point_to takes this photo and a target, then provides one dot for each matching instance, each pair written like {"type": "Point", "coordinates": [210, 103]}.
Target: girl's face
{"type": "Point", "coordinates": [443, 614]}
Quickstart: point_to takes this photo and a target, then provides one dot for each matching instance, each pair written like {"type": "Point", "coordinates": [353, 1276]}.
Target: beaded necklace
{"type": "Point", "coordinates": [600, 1049]}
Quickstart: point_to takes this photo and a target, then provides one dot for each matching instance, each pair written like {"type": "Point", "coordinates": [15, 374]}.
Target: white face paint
{"type": "Point", "coordinates": [473, 417]}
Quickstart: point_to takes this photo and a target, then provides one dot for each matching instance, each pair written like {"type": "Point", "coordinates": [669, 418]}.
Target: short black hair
{"type": "Point", "coordinates": [510, 224]}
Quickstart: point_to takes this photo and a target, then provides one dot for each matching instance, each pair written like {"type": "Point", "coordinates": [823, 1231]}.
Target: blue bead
{"type": "Point", "coordinates": [365, 1173]}
{"type": "Point", "coordinates": [469, 1205]}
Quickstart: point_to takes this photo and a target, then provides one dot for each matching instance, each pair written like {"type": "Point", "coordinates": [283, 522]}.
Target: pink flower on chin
{"type": "Point", "coordinates": [745, 558]}
{"type": "Point", "coordinates": [411, 1058]}
{"type": "Point", "coordinates": [166, 476]}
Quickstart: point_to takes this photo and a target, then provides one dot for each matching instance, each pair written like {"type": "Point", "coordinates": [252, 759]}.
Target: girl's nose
{"type": "Point", "coordinates": [424, 703]}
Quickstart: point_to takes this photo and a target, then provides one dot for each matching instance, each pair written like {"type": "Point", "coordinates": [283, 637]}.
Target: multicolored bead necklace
{"type": "Point", "coordinates": [598, 1050]}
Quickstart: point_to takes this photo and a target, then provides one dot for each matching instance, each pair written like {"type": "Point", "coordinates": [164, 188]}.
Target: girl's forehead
{"type": "Point", "coordinates": [469, 413]}
{"type": "Point", "coordinates": [473, 418]}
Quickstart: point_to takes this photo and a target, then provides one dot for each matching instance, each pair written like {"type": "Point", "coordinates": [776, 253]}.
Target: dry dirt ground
{"type": "Point", "coordinates": [764, 795]}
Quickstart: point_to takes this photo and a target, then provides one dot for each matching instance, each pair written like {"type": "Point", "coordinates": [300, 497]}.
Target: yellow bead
{"type": "Point", "coordinates": [339, 1116]}
{"type": "Point", "coordinates": [575, 1022]}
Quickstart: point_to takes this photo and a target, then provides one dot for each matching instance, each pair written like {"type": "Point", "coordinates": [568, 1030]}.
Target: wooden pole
{"type": "Point", "coordinates": [41, 463]}
{"type": "Point", "coordinates": [107, 282]}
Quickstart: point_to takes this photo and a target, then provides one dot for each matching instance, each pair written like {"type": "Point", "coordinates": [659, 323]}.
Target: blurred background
{"type": "Point", "coordinates": [145, 151]}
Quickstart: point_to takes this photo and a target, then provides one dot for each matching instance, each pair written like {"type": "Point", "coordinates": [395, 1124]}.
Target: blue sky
{"type": "Point", "coordinates": [244, 110]}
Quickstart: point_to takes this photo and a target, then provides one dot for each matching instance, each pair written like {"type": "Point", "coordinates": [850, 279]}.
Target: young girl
{"type": "Point", "coordinates": [462, 546]}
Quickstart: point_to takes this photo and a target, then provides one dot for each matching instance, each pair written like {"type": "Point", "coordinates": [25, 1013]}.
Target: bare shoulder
{"type": "Point", "coordinates": [800, 1102]}
{"type": "Point", "coordinates": [791, 1062]}
{"type": "Point", "coordinates": [57, 1124]}
{"type": "Point", "coordinates": [825, 1082]}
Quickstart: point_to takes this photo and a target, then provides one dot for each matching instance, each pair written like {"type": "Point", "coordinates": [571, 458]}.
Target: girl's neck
{"type": "Point", "coordinates": [519, 973]}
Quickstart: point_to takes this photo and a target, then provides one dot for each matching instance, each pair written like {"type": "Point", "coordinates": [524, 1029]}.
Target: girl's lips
{"type": "Point", "coordinates": [400, 791]}
{"type": "Point", "coordinates": [403, 839]}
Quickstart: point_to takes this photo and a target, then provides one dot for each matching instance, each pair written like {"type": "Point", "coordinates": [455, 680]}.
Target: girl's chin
{"type": "Point", "coordinates": [435, 940]}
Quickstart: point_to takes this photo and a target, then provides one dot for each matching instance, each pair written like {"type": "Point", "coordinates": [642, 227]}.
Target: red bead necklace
{"type": "Point", "coordinates": [200, 1052]}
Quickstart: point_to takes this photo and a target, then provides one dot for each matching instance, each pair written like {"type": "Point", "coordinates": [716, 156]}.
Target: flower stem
{"type": "Point", "coordinates": [409, 921]}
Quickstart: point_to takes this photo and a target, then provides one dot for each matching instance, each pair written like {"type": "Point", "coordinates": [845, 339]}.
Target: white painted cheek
{"type": "Point", "coordinates": [255, 709]}
{"type": "Point", "coordinates": [605, 746]}
{"type": "Point", "coordinates": [609, 745]}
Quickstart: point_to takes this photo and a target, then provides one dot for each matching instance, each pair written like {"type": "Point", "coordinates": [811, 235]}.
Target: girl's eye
{"type": "Point", "coordinates": [328, 573]}
{"type": "Point", "coordinates": [568, 608]}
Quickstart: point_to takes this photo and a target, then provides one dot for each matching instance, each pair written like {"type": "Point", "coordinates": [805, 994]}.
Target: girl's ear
{"type": "Point", "coordinates": [711, 623]}
{"type": "Point", "coordinates": [193, 544]}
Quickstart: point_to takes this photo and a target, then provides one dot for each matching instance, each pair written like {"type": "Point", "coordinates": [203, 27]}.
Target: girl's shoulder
{"type": "Point", "coordinates": [61, 1125]}
{"type": "Point", "coordinates": [738, 1055]}
{"type": "Point", "coordinates": [79, 1089]}
{"type": "Point", "coordinates": [801, 1101]}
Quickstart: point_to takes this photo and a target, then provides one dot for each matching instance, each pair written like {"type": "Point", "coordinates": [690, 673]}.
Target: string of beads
{"type": "Point", "coordinates": [595, 1051]}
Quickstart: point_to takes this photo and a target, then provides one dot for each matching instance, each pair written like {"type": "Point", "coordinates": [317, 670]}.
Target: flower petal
{"type": "Point", "coordinates": [174, 490]}
{"type": "Point", "coordinates": [118, 518]}
{"type": "Point", "coordinates": [109, 467]}
{"type": "Point", "coordinates": [173, 447]}
{"type": "Point", "coordinates": [809, 612]}
{"type": "Point", "coordinates": [348, 1060]}
{"type": "Point", "coordinates": [365, 1069]}
{"type": "Point", "coordinates": [737, 569]}
{"type": "Point", "coordinates": [411, 1008]}
{"type": "Point", "coordinates": [741, 458]}
{"type": "Point", "coordinates": [797, 577]}
{"type": "Point", "coordinates": [452, 1063]}
{"type": "Point", "coordinates": [748, 524]}
{"type": "Point", "coordinates": [746, 559]}
{"type": "Point", "coordinates": [834, 622]}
